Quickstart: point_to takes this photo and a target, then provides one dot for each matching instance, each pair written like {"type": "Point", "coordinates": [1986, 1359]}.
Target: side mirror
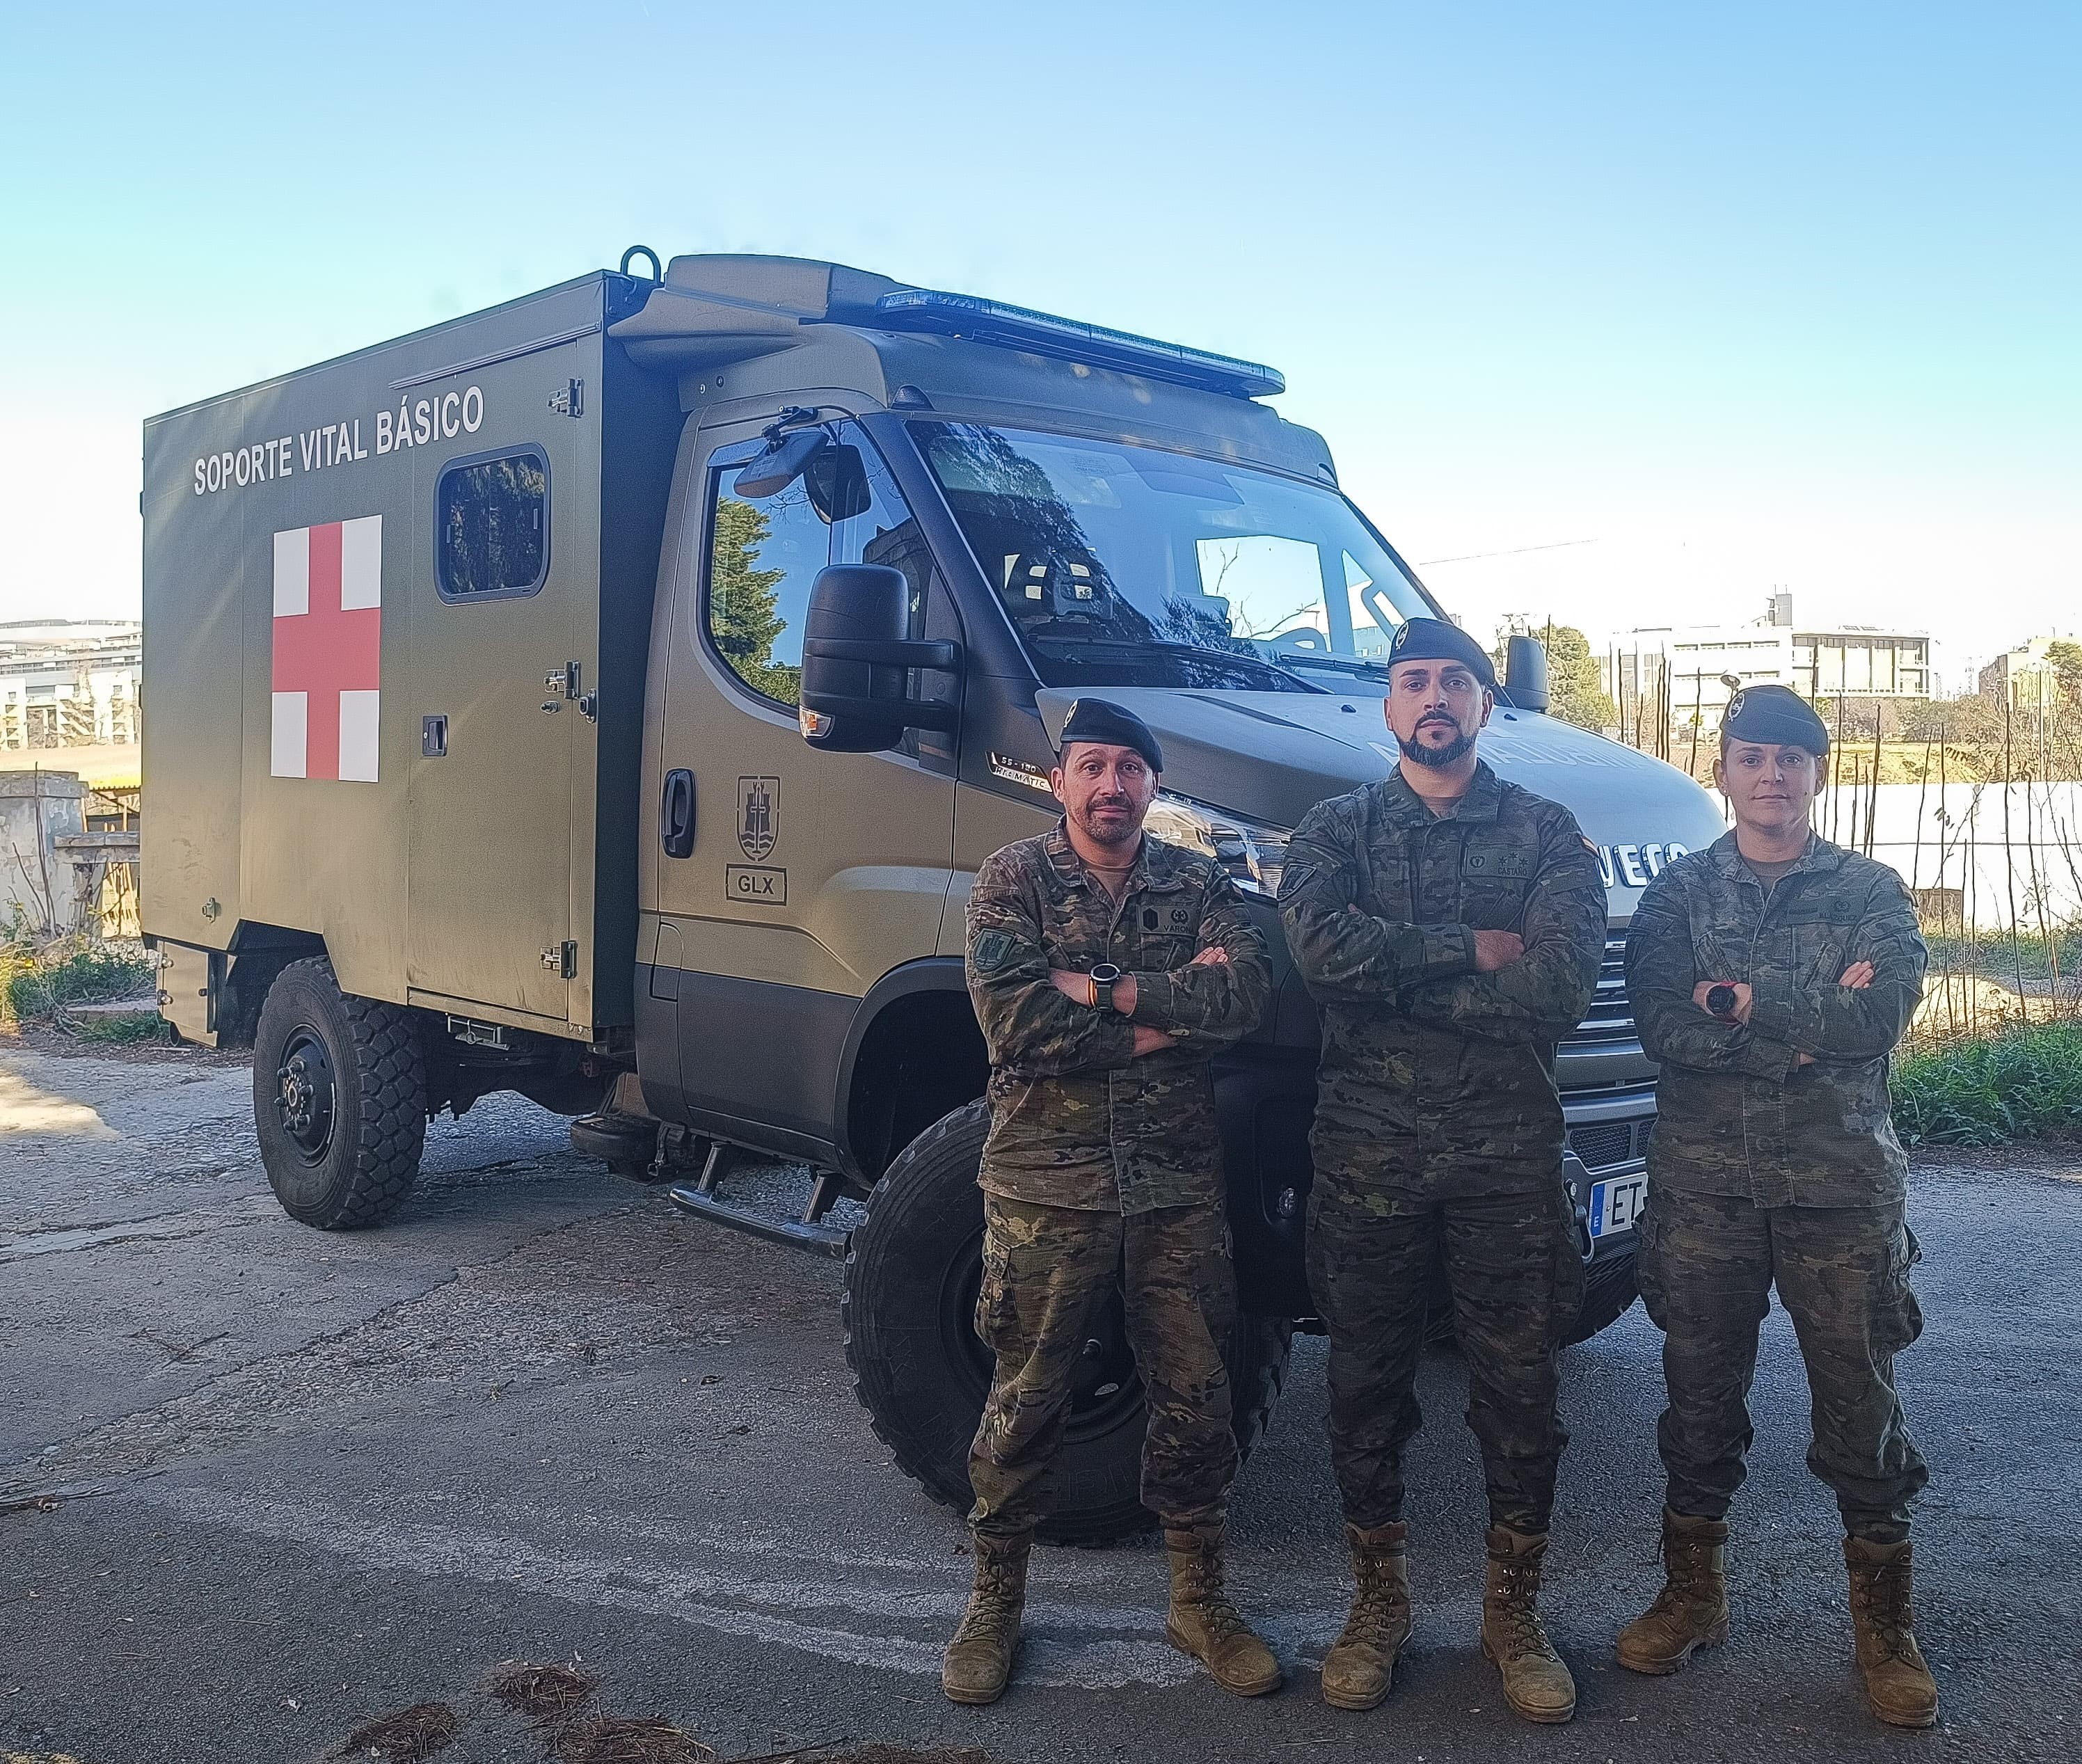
{"type": "Point", "coordinates": [1525, 673]}
{"type": "Point", "coordinates": [856, 654]}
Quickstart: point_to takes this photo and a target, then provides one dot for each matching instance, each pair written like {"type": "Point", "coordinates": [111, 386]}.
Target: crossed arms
{"type": "Point", "coordinates": [1040, 1019]}
{"type": "Point", "coordinates": [1526, 986]}
{"type": "Point", "coordinates": [1777, 1023]}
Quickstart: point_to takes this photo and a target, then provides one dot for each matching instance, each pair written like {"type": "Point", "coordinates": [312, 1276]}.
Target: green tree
{"type": "Point", "coordinates": [744, 618]}
{"type": "Point", "coordinates": [1575, 692]}
{"type": "Point", "coordinates": [2066, 659]}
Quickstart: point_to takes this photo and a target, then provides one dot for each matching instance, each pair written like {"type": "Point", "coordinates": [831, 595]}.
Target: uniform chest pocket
{"type": "Point", "coordinates": [1494, 880]}
{"type": "Point", "coordinates": [1166, 931]}
{"type": "Point", "coordinates": [1818, 947]}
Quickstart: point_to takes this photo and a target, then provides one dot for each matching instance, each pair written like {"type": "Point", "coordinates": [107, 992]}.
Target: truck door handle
{"type": "Point", "coordinates": [675, 814]}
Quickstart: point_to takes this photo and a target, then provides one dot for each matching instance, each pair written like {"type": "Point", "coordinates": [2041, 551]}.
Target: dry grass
{"type": "Point", "coordinates": [606, 1739]}
{"type": "Point", "coordinates": [408, 1737]}
{"type": "Point", "coordinates": [908, 1754]}
{"type": "Point", "coordinates": [546, 1695]}
{"type": "Point", "coordinates": [1966, 1005]}
{"type": "Point", "coordinates": [874, 1754]}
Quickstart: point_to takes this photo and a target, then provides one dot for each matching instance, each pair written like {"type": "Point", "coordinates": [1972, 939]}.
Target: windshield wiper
{"type": "Point", "coordinates": [1338, 664]}
{"type": "Point", "coordinates": [1243, 662]}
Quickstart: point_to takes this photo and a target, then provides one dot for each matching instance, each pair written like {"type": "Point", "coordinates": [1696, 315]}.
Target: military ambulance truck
{"type": "Point", "coordinates": [609, 696]}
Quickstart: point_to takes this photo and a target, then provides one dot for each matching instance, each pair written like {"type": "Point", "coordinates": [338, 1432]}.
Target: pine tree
{"type": "Point", "coordinates": [1575, 694]}
{"type": "Point", "coordinates": [743, 616]}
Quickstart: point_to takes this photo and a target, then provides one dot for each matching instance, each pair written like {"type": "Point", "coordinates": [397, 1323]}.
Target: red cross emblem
{"type": "Point", "coordinates": [328, 650]}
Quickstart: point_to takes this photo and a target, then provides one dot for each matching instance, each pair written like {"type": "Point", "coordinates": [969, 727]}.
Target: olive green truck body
{"type": "Point", "coordinates": [479, 671]}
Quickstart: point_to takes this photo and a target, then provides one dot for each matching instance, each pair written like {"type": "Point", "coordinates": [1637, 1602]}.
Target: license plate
{"type": "Point", "coordinates": [1616, 1204]}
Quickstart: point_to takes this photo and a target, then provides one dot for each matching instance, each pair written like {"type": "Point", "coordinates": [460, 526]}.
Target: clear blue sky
{"type": "Point", "coordinates": [1742, 297]}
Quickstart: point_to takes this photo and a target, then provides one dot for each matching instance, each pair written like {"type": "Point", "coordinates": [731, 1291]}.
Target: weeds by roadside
{"type": "Point", "coordinates": [2024, 1083]}
{"type": "Point", "coordinates": [39, 983]}
{"type": "Point", "coordinates": [125, 1029]}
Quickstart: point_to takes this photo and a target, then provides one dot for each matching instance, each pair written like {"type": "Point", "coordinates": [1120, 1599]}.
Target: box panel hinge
{"type": "Point", "coordinates": [564, 682]}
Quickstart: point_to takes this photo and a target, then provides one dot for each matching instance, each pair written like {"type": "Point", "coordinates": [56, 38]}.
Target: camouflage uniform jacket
{"type": "Point", "coordinates": [1416, 1043]}
{"type": "Point", "coordinates": [1736, 1114]}
{"type": "Point", "coordinates": [1077, 1120]}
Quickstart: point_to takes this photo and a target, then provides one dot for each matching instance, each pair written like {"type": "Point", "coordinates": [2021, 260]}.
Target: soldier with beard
{"type": "Point", "coordinates": [1106, 968]}
{"type": "Point", "coordinates": [1451, 927]}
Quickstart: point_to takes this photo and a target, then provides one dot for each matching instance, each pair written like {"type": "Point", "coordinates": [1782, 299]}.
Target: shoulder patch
{"type": "Point", "coordinates": [993, 950]}
{"type": "Point", "coordinates": [1294, 878]}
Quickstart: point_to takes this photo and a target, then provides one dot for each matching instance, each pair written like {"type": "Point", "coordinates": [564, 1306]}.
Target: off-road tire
{"type": "Point", "coordinates": [910, 1275]}
{"type": "Point", "coordinates": [368, 1160]}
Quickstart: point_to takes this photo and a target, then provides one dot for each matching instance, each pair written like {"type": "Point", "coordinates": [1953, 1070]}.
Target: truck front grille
{"type": "Point", "coordinates": [1605, 1145]}
{"type": "Point", "coordinates": [1610, 1017]}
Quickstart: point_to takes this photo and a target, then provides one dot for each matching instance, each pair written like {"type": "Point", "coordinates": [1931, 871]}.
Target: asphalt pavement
{"type": "Point", "coordinates": [260, 1485]}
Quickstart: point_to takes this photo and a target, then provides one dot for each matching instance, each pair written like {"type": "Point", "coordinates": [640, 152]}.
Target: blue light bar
{"type": "Point", "coordinates": [1069, 340]}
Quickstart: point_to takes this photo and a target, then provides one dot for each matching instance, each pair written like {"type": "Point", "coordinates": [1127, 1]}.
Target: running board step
{"type": "Point", "coordinates": [823, 1239]}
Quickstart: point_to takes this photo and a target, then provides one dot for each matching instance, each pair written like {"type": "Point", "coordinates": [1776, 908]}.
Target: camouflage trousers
{"type": "Point", "coordinates": [1049, 1273]}
{"type": "Point", "coordinates": [1517, 1277]}
{"type": "Point", "coordinates": [1708, 1263]}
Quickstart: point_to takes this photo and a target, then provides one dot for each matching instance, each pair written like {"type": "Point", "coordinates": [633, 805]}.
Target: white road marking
{"type": "Point", "coordinates": [862, 1620]}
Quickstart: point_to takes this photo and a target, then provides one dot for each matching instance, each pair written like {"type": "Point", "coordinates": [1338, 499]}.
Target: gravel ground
{"type": "Point", "coordinates": [260, 1486]}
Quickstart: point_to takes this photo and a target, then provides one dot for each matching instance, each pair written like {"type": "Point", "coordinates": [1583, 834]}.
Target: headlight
{"type": "Point", "coordinates": [1252, 852]}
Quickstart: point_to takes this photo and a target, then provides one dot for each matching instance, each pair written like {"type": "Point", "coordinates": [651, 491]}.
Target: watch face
{"type": "Point", "coordinates": [1106, 973]}
{"type": "Point", "coordinates": [1721, 1000]}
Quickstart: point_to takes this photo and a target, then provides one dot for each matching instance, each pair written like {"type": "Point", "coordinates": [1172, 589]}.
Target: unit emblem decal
{"type": "Point", "coordinates": [758, 815]}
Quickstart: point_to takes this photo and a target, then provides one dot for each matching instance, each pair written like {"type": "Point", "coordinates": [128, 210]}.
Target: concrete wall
{"type": "Point", "coordinates": [2019, 844]}
{"type": "Point", "coordinates": [36, 807]}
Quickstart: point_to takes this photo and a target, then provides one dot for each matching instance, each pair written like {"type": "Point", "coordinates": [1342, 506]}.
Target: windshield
{"type": "Point", "coordinates": [1135, 566]}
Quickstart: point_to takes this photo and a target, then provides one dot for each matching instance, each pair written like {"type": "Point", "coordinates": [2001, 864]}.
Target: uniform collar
{"type": "Point", "coordinates": [1482, 802]}
{"type": "Point", "coordinates": [1820, 858]}
{"type": "Point", "coordinates": [1156, 866]}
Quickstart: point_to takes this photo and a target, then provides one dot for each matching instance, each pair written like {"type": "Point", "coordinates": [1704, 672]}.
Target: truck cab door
{"type": "Point", "coordinates": [808, 875]}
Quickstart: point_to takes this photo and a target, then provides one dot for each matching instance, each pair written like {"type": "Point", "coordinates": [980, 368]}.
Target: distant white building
{"type": "Point", "coordinates": [2025, 675]}
{"type": "Point", "coordinates": [1701, 667]}
{"type": "Point", "coordinates": [69, 682]}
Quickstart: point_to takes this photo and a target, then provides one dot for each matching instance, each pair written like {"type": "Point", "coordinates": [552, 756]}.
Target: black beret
{"type": "Point", "coordinates": [1097, 719]}
{"type": "Point", "coordinates": [1777, 716]}
{"type": "Point", "coordinates": [1434, 640]}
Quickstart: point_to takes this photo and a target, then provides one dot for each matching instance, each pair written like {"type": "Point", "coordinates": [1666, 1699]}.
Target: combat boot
{"type": "Point", "coordinates": [1360, 1665]}
{"type": "Point", "coordinates": [1898, 1684]}
{"type": "Point", "coordinates": [1203, 1623]}
{"type": "Point", "coordinates": [1691, 1612]}
{"type": "Point", "coordinates": [1535, 1683]}
{"type": "Point", "coordinates": [979, 1660]}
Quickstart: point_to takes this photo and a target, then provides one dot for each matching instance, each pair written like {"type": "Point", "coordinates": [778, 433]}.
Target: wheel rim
{"type": "Point", "coordinates": [306, 1096]}
{"type": "Point", "coordinates": [1106, 1390]}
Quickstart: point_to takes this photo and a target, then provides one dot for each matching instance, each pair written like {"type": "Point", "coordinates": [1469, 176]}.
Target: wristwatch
{"type": "Point", "coordinates": [1102, 978]}
{"type": "Point", "coordinates": [1721, 1000]}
